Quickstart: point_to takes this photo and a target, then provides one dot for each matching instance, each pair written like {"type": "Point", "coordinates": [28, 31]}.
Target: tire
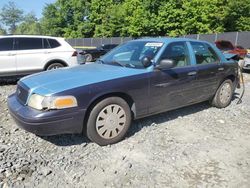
{"type": "Point", "coordinates": [54, 66]}
{"type": "Point", "coordinates": [108, 121]}
{"type": "Point", "coordinates": [88, 57]}
{"type": "Point", "coordinates": [223, 96]}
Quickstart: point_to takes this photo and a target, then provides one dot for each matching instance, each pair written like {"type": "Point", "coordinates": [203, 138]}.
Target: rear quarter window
{"type": "Point", "coordinates": [53, 43]}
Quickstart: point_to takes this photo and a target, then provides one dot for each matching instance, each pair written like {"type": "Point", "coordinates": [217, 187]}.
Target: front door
{"type": "Point", "coordinates": [173, 88]}
{"type": "Point", "coordinates": [7, 57]}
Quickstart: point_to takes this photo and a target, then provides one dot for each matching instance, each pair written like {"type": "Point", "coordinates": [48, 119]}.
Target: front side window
{"type": "Point", "coordinates": [131, 53]}
{"type": "Point", "coordinates": [29, 43]}
{"type": "Point", "coordinates": [178, 53]}
{"type": "Point", "coordinates": [204, 53]}
{"type": "Point", "coordinates": [6, 44]}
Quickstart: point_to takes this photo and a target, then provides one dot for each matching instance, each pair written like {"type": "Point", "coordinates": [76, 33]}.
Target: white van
{"type": "Point", "coordinates": [27, 54]}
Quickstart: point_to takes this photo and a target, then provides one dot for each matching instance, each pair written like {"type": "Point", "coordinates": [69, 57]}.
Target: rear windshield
{"type": "Point", "coordinates": [224, 45]}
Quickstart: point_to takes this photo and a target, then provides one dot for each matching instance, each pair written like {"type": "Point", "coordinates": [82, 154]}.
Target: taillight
{"type": "Point", "coordinates": [74, 54]}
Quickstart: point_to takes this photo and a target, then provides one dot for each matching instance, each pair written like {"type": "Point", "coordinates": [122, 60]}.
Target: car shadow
{"type": "Point", "coordinates": [8, 81]}
{"type": "Point", "coordinates": [137, 125]}
{"type": "Point", "coordinates": [66, 139]}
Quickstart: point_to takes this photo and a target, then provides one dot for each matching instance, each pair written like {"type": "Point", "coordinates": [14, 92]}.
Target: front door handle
{"type": "Point", "coordinates": [193, 73]}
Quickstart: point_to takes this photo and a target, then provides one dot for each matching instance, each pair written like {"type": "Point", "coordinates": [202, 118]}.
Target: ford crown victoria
{"type": "Point", "coordinates": [136, 79]}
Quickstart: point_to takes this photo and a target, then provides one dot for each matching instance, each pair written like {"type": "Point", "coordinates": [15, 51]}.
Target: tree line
{"type": "Point", "coordinates": [135, 18]}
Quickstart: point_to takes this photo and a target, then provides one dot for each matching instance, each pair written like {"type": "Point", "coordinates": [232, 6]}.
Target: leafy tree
{"type": "Point", "coordinates": [170, 19]}
{"type": "Point", "coordinates": [237, 15]}
{"type": "Point", "coordinates": [2, 31]}
{"type": "Point", "coordinates": [67, 18]}
{"type": "Point", "coordinates": [137, 19]}
{"type": "Point", "coordinates": [10, 15]}
{"type": "Point", "coordinates": [108, 18]}
{"type": "Point", "coordinates": [99, 17]}
{"type": "Point", "coordinates": [52, 23]}
{"type": "Point", "coordinates": [30, 25]}
{"type": "Point", "coordinates": [202, 16]}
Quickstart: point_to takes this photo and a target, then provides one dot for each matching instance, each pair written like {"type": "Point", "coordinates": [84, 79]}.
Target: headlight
{"type": "Point", "coordinates": [35, 101]}
{"type": "Point", "coordinates": [47, 103]}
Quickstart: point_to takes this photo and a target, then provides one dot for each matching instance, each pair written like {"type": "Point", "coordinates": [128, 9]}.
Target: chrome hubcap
{"type": "Point", "coordinates": [110, 121]}
{"type": "Point", "coordinates": [225, 93]}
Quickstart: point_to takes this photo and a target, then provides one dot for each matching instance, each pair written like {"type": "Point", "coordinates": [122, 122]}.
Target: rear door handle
{"type": "Point", "coordinates": [192, 73]}
{"type": "Point", "coordinates": [221, 69]}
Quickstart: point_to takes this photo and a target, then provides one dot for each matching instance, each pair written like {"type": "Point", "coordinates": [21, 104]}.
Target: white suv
{"type": "Point", "coordinates": [23, 55]}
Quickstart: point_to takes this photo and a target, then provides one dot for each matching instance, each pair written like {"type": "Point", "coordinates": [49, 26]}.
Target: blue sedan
{"type": "Point", "coordinates": [136, 79]}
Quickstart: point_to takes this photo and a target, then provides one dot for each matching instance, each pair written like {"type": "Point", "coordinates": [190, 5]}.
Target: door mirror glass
{"type": "Point", "coordinates": [165, 64]}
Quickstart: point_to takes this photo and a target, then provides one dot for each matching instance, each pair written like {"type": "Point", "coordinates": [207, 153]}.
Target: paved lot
{"type": "Point", "coordinates": [197, 146]}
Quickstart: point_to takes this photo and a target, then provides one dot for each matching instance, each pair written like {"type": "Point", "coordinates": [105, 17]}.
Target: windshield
{"type": "Point", "coordinates": [131, 54]}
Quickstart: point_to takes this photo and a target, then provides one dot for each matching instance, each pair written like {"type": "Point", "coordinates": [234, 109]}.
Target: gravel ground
{"type": "Point", "coordinates": [196, 146]}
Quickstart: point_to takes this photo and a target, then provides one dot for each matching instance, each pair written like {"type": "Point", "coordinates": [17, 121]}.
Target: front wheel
{"type": "Point", "coordinates": [109, 121]}
{"type": "Point", "coordinates": [223, 95]}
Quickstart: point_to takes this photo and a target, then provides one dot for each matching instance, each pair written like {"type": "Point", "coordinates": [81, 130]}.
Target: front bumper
{"type": "Point", "coordinates": [46, 123]}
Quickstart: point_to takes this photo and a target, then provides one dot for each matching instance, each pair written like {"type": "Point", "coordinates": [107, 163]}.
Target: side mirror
{"type": "Point", "coordinates": [165, 64]}
{"type": "Point", "coordinates": [146, 61]}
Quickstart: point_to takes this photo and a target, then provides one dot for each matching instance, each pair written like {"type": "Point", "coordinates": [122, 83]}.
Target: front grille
{"type": "Point", "coordinates": [22, 93]}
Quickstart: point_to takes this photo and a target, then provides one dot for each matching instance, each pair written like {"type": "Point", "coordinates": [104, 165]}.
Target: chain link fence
{"type": "Point", "coordinates": [237, 38]}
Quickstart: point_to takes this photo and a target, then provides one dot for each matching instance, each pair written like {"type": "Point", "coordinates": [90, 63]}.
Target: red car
{"type": "Point", "coordinates": [228, 47]}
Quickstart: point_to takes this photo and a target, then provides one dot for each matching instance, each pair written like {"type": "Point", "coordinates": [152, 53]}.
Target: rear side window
{"type": "Point", "coordinates": [178, 52]}
{"type": "Point", "coordinates": [29, 43]}
{"type": "Point", "coordinates": [204, 53]}
{"type": "Point", "coordinates": [6, 44]}
{"type": "Point", "coordinates": [53, 43]}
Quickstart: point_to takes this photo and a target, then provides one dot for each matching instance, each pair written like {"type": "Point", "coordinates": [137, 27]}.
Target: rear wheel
{"type": "Point", "coordinates": [223, 95]}
{"type": "Point", "coordinates": [109, 121]}
{"type": "Point", "coordinates": [54, 66]}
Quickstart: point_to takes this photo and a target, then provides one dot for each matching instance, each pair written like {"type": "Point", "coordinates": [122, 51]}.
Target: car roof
{"type": "Point", "coordinates": [167, 40]}
{"type": "Point", "coordinates": [29, 36]}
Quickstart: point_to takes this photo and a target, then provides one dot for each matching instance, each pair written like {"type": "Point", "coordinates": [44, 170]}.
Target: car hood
{"type": "Point", "coordinates": [55, 81]}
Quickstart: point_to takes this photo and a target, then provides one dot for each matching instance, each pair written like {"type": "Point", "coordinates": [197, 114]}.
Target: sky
{"type": "Point", "coordinates": [30, 5]}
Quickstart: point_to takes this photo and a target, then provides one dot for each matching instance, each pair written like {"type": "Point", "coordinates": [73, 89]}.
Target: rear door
{"type": "Point", "coordinates": [30, 55]}
{"type": "Point", "coordinates": [209, 70]}
{"type": "Point", "coordinates": [173, 88]}
{"type": "Point", "coordinates": [7, 57]}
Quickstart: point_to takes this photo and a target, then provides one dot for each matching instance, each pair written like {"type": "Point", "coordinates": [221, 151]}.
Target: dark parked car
{"type": "Point", "coordinates": [93, 54]}
{"type": "Point", "coordinates": [135, 80]}
{"type": "Point", "coordinates": [228, 47]}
